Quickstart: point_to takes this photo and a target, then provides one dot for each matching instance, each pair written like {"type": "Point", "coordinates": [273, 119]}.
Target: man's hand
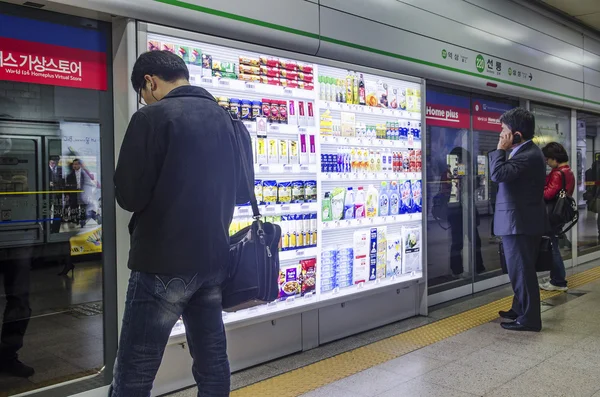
{"type": "Point", "coordinates": [505, 141]}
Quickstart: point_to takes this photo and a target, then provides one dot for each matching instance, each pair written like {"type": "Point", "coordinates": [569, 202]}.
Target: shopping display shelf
{"type": "Point", "coordinates": [236, 87]}
{"type": "Point", "coordinates": [277, 209]}
{"type": "Point", "coordinates": [369, 176]}
{"type": "Point", "coordinates": [370, 110]}
{"type": "Point", "coordinates": [298, 254]}
{"type": "Point", "coordinates": [367, 222]}
{"type": "Point", "coordinates": [370, 285]}
{"type": "Point", "coordinates": [369, 142]}
{"type": "Point", "coordinates": [285, 169]}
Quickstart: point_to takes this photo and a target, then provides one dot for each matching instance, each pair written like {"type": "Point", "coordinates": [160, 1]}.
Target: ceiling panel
{"type": "Point", "coordinates": [591, 19]}
{"type": "Point", "coordinates": [575, 7]}
{"type": "Point", "coordinates": [587, 11]}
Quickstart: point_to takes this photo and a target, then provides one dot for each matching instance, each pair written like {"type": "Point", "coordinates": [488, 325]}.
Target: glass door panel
{"type": "Point", "coordinates": [554, 125]}
{"type": "Point", "coordinates": [588, 172]}
{"type": "Point", "coordinates": [449, 170]}
{"type": "Point", "coordinates": [486, 115]}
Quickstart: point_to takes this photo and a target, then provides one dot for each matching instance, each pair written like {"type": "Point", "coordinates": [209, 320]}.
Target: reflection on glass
{"type": "Point", "coordinates": [588, 173]}
{"type": "Point", "coordinates": [50, 223]}
{"type": "Point", "coordinates": [449, 168]}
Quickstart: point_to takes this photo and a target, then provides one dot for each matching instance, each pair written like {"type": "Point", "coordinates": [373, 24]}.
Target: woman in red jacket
{"type": "Point", "coordinates": [557, 159]}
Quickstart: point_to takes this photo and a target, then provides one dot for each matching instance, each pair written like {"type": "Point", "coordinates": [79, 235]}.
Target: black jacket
{"type": "Point", "coordinates": [176, 172]}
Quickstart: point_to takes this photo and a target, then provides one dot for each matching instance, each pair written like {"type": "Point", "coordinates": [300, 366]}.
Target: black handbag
{"type": "Point", "coordinates": [544, 261]}
{"type": "Point", "coordinates": [563, 212]}
{"type": "Point", "coordinates": [253, 268]}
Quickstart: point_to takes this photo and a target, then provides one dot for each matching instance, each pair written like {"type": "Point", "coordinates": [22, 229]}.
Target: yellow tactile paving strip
{"type": "Point", "coordinates": [327, 371]}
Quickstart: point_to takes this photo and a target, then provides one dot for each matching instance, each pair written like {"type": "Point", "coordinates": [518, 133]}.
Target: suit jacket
{"type": "Point", "coordinates": [56, 177]}
{"type": "Point", "coordinates": [76, 199]}
{"type": "Point", "coordinates": [520, 207]}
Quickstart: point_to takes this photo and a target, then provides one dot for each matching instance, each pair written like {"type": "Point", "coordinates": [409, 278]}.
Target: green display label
{"type": "Point", "coordinates": [444, 54]}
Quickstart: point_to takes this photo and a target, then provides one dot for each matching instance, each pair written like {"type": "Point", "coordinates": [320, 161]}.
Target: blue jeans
{"type": "Point", "coordinates": [558, 275]}
{"type": "Point", "coordinates": [153, 306]}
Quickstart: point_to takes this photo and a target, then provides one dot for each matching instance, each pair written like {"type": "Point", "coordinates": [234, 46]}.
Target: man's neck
{"type": "Point", "coordinates": [177, 84]}
{"type": "Point", "coordinates": [520, 143]}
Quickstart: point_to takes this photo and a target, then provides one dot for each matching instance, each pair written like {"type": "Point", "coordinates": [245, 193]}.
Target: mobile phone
{"type": "Point", "coordinates": [517, 139]}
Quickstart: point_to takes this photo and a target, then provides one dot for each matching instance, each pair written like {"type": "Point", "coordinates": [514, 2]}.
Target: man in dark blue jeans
{"type": "Point", "coordinates": [177, 173]}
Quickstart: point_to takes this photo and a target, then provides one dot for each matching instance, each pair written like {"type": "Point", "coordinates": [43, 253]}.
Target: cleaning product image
{"type": "Point", "coordinates": [326, 208]}
{"type": "Point", "coordinates": [406, 199]}
{"type": "Point", "coordinates": [359, 204]}
{"type": "Point", "coordinates": [417, 196]}
{"type": "Point", "coordinates": [384, 200]}
{"type": "Point", "coordinates": [337, 203]}
{"type": "Point", "coordinates": [372, 206]}
{"type": "Point", "coordinates": [394, 194]}
{"type": "Point", "coordinates": [349, 204]}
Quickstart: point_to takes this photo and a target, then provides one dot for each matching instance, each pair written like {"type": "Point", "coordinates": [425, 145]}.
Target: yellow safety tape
{"type": "Point", "coordinates": [322, 373]}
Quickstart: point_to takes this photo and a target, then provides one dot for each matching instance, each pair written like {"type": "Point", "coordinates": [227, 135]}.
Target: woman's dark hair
{"type": "Point", "coordinates": [519, 119]}
{"type": "Point", "coordinates": [162, 64]}
{"type": "Point", "coordinates": [556, 151]}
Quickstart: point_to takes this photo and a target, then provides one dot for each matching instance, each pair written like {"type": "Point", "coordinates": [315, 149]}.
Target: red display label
{"type": "Point", "coordinates": [447, 116]}
{"type": "Point", "coordinates": [30, 62]}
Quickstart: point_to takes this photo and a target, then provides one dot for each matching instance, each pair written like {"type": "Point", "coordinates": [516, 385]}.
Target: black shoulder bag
{"type": "Point", "coordinates": [253, 268]}
{"type": "Point", "coordinates": [563, 214]}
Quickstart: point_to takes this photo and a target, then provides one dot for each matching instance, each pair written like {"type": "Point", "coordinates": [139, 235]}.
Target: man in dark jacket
{"type": "Point", "coordinates": [520, 216]}
{"type": "Point", "coordinates": [176, 172]}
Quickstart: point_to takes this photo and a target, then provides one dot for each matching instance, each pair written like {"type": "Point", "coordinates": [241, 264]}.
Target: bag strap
{"type": "Point", "coordinates": [564, 180]}
{"type": "Point", "coordinates": [246, 173]}
{"type": "Point", "coordinates": [260, 231]}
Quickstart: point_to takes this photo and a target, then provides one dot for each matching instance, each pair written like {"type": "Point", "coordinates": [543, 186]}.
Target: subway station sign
{"type": "Point", "coordinates": [38, 52]}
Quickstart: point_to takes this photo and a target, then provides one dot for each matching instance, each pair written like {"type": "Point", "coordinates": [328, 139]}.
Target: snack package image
{"type": "Point", "coordinates": [412, 245]}
{"type": "Point", "coordinates": [309, 276]}
{"type": "Point", "coordinates": [289, 282]}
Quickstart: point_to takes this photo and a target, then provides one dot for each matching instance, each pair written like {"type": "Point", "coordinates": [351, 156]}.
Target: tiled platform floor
{"type": "Point", "coordinates": [561, 361]}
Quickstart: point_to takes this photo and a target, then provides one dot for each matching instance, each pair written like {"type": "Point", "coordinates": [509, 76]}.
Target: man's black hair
{"type": "Point", "coordinates": [556, 151]}
{"type": "Point", "coordinates": [162, 64]}
{"type": "Point", "coordinates": [519, 119]}
{"type": "Point", "coordinates": [55, 158]}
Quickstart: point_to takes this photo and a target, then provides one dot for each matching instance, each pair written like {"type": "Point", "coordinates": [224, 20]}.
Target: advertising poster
{"type": "Point", "coordinates": [80, 161]}
{"type": "Point", "coordinates": [486, 114]}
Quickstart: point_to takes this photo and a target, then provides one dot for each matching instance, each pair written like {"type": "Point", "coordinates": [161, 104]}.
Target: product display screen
{"type": "Point", "coordinates": [337, 158]}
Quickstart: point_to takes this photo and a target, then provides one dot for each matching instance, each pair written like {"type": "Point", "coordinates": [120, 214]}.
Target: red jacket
{"type": "Point", "coordinates": [554, 182]}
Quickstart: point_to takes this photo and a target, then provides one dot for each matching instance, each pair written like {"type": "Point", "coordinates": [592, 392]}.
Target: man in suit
{"type": "Point", "coordinates": [77, 180]}
{"type": "Point", "coordinates": [520, 216]}
{"type": "Point", "coordinates": [55, 176]}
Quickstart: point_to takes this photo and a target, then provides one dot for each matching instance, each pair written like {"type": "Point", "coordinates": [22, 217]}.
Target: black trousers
{"type": "Point", "coordinates": [16, 273]}
{"type": "Point", "coordinates": [521, 253]}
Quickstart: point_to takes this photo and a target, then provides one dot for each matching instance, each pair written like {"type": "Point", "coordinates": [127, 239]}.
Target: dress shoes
{"type": "Point", "coordinates": [509, 315]}
{"type": "Point", "coordinates": [515, 326]}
